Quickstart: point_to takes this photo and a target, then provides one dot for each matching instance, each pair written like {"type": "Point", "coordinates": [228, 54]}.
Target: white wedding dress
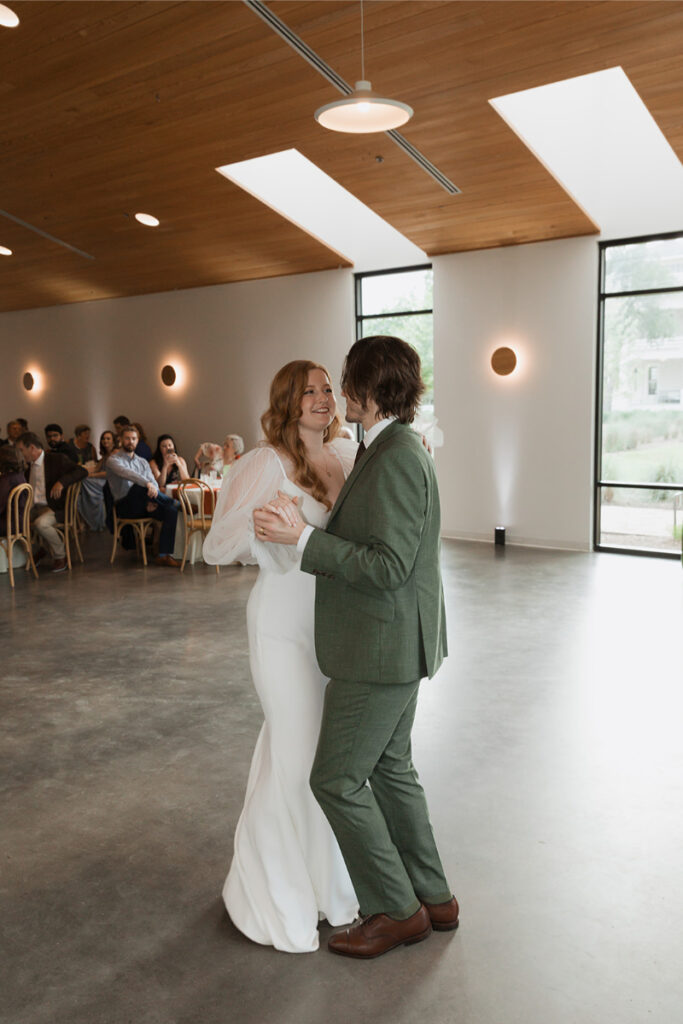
{"type": "Point", "coordinates": [287, 871]}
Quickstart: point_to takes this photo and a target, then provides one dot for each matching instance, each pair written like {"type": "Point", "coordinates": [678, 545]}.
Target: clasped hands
{"type": "Point", "coordinates": [279, 521]}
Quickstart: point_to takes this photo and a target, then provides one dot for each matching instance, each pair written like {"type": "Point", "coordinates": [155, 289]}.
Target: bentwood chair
{"type": "Point", "coordinates": [139, 526]}
{"type": "Point", "coordinates": [19, 527]}
{"type": "Point", "coordinates": [70, 528]}
{"type": "Point", "coordinates": [198, 503]}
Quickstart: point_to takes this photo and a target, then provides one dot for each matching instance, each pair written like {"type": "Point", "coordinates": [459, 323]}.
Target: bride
{"type": "Point", "coordinates": [287, 871]}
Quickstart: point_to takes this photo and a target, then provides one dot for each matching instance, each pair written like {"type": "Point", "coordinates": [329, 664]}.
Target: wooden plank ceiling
{"type": "Point", "coordinates": [111, 108]}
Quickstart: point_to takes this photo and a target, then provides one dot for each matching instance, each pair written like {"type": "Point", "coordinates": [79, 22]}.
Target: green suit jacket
{"type": "Point", "coordinates": [379, 608]}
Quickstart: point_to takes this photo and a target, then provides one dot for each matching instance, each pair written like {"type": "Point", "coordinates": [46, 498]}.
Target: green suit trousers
{"type": "Point", "coordinates": [364, 779]}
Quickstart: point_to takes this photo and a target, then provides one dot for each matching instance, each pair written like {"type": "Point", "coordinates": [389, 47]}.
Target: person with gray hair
{"type": "Point", "coordinates": [233, 448]}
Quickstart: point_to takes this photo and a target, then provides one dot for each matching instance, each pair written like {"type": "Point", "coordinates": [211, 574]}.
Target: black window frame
{"type": "Point", "coordinates": [598, 482]}
{"type": "Point", "coordinates": [358, 287]}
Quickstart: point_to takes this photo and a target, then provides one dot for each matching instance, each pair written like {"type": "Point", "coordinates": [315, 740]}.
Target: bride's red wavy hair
{"type": "Point", "coordinates": [280, 423]}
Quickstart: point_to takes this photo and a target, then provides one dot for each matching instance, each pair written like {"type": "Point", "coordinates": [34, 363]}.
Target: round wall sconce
{"type": "Point", "coordinates": [168, 375]}
{"type": "Point", "coordinates": [33, 381]}
{"type": "Point", "coordinates": [503, 361]}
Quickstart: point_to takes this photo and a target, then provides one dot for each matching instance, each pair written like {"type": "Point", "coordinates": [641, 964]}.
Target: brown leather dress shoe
{"type": "Point", "coordinates": [59, 565]}
{"type": "Point", "coordinates": [167, 560]}
{"type": "Point", "coordinates": [444, 916]}
{"type": "Point", "coordinates": [377, 934]}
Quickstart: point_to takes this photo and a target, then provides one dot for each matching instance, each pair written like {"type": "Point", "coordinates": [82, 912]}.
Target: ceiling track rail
{"type": "Point", "coordinates": [309, 55]}
{"type": "Point", "coordinates": [299, 45]}
{"type": "Point", "coordinates": [45, 234]}
{"type": "Point", "coordinates": [422, 161]}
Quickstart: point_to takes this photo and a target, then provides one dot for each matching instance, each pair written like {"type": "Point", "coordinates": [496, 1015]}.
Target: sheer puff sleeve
{"type": "Point", "coordinates": [253, 480]}
{"type": "Point", "coordinates": [345, 449]}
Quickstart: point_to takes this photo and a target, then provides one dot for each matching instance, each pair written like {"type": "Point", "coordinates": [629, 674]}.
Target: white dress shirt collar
{"type": "Point", "coordinates": [376, 429]}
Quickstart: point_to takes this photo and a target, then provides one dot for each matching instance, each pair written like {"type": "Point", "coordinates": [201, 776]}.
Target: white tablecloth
{"type": "Point", "coordinates": [18, 557]}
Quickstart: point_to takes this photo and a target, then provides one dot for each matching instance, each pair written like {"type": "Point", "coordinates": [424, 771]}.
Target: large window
{"type": "Point", "coordinates": [639, 451]}
{"type": "Point", "coordinates": [400, 302]}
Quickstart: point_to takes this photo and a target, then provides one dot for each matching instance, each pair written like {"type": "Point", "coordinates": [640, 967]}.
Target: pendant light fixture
{"type": "Point", "coordinates": [8, 19]}
{"type": "Point", "coordinates": [363, 111]}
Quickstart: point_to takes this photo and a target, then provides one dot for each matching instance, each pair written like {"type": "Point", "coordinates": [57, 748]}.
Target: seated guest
{"type": "Point", "coordinates": [11, 476]}
{"type": "Point", "coordinates": [208, 459]}
{"type": "Point", "coordinates": [80, 448]}
{"type": "Point", "coordinates": [50, 474]}
{"type": "Point", "coordinates": [107, 446]}
{"type": "Point", "coordinates": [136, 493]}
{"type": "Point", "coordinates": [233, 447]}
{"type": "Point", "coordinates": [91, 503]}
{"type": "Point", "coordinates": [167, 466]}
{"type": "Point", "coordinates": [143, 449]}
{"type": "Point", "coordinates": [14, 431]}
{"type": "Point", "coordinates": [119, 423]}
{"type": "Point", "coordinates": [55, 439]}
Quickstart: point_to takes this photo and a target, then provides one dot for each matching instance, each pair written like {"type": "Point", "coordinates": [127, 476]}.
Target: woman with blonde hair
{"type": "Point", "coordinates": [208, 459]}
{"type": "Point", "coordinates": [287, 871]}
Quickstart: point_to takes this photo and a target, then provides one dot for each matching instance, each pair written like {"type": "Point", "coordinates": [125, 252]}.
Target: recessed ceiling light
{"type": "Point", "coordinates": [147, 219]}
{"type": "Point", "coordinates": [7, 17]}
{"type": "Point", "coordinates": [4, 251]}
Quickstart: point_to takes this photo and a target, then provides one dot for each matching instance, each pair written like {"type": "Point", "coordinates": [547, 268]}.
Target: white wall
{"type": "Point", "coordinates": [518, 449]}
{"type": "Point", "coordinates": [103, 359]}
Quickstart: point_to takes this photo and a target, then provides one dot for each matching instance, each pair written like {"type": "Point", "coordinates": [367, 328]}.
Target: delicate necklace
{"type": "Point", "coordinates": [323, 468]}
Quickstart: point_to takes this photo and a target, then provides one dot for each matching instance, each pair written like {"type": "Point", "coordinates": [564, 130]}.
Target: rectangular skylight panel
{"type": "Point", "coordinates": [598, 139]}
{"type": "Point", "coordinates": [297, 189]}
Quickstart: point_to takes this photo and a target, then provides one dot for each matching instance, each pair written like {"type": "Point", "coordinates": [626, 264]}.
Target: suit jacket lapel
{"type": "Point", "coordinates": [358, 470]}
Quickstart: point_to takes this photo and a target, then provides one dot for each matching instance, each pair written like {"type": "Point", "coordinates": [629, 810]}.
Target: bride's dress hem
{"type": "Point", "coordinates": [281, 947]}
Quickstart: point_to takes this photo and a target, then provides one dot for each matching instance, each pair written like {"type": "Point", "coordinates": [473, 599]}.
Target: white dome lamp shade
{"type": "Point", "coordinates": [363, 112]}
{"type": "Point", "coordinates": [8, 19]}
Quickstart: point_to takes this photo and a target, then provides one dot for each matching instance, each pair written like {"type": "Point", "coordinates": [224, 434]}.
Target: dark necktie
{"type": "Point", "coordinates": [360, 452]}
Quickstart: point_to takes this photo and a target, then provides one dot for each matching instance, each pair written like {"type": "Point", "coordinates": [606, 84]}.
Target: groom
{"type": "Point", "coordinates": [379, 629]}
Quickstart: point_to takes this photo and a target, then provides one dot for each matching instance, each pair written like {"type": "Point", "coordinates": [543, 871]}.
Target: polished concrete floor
{"type": "Point", "coordinates": [549, 746]}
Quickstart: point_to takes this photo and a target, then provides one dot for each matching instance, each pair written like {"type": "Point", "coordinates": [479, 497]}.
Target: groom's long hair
{"type": "Point", "coordinates": [280, 423]}
{"type": "Point", "coordinates": [386, 370]}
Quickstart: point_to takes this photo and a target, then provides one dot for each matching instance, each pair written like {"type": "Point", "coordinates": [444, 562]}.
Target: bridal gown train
{"type": "Point", "coordinates": [287, 871]}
